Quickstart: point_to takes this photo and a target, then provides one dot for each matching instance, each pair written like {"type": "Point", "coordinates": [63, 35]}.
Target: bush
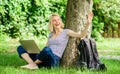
{"type": "Point", "coordinates": [28, 17]}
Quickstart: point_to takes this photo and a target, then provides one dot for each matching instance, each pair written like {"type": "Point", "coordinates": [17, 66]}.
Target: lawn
{"type": "Point", "coordinates": [110, 46]}
{"type": "Point", "coordinates": [10, 62]}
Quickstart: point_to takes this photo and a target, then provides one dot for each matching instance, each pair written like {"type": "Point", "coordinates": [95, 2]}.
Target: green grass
{"type": "Point", "coordinates": [10, 62]}
{"type": "Point", "coordinates": [109, 46]}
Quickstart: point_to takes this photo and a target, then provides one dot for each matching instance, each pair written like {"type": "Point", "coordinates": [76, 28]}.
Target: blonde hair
{"type": "Point", "coordinates": [50, 26]}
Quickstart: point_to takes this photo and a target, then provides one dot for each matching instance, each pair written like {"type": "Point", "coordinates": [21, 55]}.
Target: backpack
{"type": "Point", "coordinates": [88, 57]}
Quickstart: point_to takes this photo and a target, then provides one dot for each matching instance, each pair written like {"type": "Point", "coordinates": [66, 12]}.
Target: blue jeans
{"type": "Point", "coordinates": [46, 56]}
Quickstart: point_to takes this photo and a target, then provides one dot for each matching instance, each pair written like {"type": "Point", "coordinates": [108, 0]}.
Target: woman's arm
{"type": "Point", "coordinates": [79, 35]}
{"type": "Point", "coordinates": [84, 32]}
{"type": "Point", "coordinates": [73, 34]}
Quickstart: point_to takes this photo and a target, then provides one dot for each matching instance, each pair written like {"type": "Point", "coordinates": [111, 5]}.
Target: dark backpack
{"type": "Point", "coordinates": [88, 57]}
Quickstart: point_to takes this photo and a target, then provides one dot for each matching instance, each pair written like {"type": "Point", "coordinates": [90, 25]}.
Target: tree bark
{"type": "Point", "coordinates": [76, 18]}
{"type": "Point", "coordinates": [119, 29]}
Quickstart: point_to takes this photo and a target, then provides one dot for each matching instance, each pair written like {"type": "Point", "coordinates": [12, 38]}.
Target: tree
{"type": "Point", "coordinates": [106, 19]}
{"type": "Point", "coordinates": [76, 17]}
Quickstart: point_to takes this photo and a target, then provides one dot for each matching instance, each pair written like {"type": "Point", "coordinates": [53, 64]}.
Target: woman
{"type": "Point", "coordinates": [57, 41]}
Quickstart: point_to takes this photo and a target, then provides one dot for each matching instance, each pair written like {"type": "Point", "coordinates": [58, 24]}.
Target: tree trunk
{"type": "Point", "coordinates": [119, 29]}
{"type": "Point", "coordinates": [76, 17]}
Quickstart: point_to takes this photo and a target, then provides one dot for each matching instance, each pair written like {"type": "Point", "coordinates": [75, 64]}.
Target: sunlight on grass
{"type": "Point", "coordinates": [109, 46]}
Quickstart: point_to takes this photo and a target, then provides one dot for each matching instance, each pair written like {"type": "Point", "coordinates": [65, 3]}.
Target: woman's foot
{"type": "Point", "coordinates": [30, 66]}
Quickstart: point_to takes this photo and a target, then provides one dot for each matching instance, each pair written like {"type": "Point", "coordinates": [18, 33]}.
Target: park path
{"type": "Point", "coordinates": [110, 57]}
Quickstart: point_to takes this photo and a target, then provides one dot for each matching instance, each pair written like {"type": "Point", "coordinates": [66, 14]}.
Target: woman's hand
{"type": "Point", "coordinates": [90, 17]}
{"type": "Point", "coordinates": [84, 32]}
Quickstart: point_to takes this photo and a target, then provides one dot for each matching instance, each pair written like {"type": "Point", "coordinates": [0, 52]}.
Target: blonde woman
{"type": "Point", "coordinates": [57, 41]}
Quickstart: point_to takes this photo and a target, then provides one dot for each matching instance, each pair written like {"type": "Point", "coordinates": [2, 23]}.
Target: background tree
{"type": "Point", "coordinates": [28, 18]}
{"type": "Point", "coordinates": [106, 19]}
{"type": "Point", "coordinates": [76, 18]}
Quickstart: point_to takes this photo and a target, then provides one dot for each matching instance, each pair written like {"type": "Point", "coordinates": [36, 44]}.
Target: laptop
{"type": "Point", "coordinates": [30, 46]}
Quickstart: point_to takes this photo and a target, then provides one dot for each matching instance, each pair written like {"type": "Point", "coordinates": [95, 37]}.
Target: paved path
{"type": "Point", "coordinates": [110, 57]}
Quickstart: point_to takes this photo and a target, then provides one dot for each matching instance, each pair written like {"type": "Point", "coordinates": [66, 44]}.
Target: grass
{"type": "Point", "coordinates": [109, 46]}
{"type": "Point", "coordinates": [10, 62]}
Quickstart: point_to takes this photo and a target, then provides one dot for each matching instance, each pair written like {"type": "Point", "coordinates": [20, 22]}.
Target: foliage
{"type": "Point", "coordinates": [97, 28]}
{"type": "Point", "coordinates": [28, 18]}
{"type": "Point", "coordinates": [107, 15]}
{"type": "Point", "coordinates": [59, 6]}
{"type": "Point", "coordinates": [19, 18]}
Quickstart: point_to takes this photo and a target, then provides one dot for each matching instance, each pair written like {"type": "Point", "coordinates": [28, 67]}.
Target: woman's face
{"type": "Point", "coordinates": [56, 22]}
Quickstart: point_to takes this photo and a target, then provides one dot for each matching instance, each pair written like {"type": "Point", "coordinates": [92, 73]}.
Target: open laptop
{"type": "Point", "coordinates": [30, 46]}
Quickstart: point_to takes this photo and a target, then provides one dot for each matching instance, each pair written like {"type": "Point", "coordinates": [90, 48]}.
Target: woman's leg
{"type": "Point", "coordinates": [47, 58]}
{"type": "Point", "coordinates": [23, 53]}
{"type": "Point", "coordinates": [27, 58]}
